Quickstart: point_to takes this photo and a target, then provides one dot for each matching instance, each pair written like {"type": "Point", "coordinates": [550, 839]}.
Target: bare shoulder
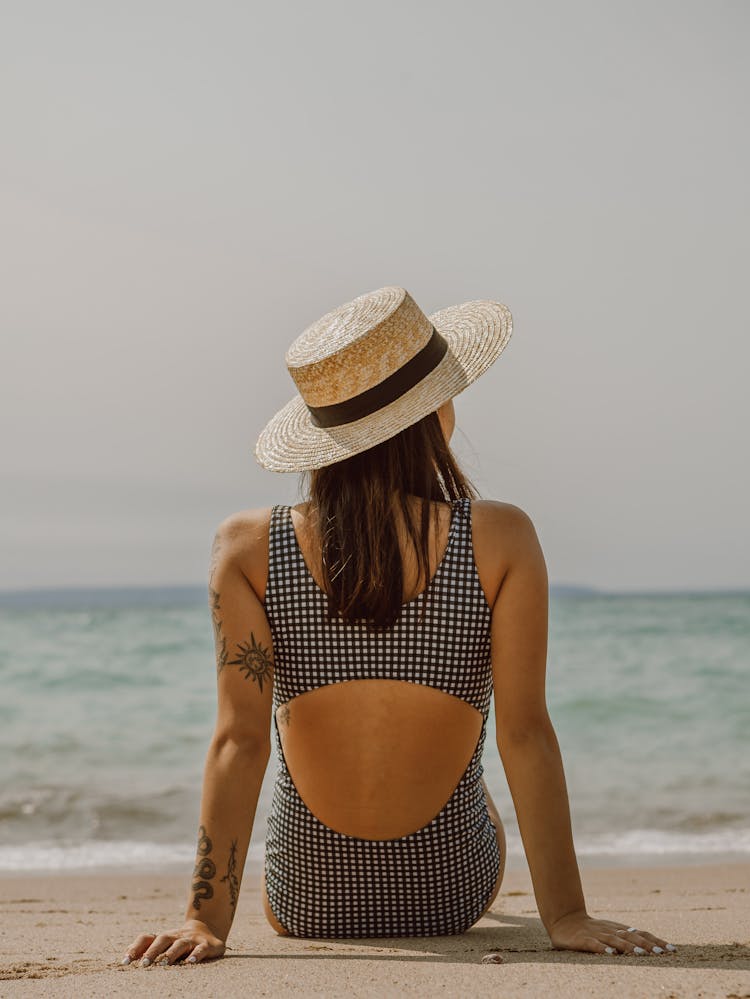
{"type": "Point", "coordinates": [241, 540]}
{"type": "Point", "coordinates": [242, 530]}
{"type": "Point", "coordinates": [501, 520]}
{"type": "Point", "coordinates": [504, 536]}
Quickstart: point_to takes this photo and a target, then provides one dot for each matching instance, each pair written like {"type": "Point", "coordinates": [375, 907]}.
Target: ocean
{"type": "Point", "coordinates": [109, 702]}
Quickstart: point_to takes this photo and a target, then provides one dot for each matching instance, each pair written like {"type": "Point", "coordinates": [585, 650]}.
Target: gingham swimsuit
{"type": "Point", "coordinates": [438, 879]}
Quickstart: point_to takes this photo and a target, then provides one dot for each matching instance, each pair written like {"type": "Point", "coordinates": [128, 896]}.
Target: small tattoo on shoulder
{"type": "Point", "coordinates": [214, 558]}
{"type": "Point", "coordinates": [220, 641]}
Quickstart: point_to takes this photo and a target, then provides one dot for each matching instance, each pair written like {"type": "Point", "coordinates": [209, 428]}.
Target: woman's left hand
{"type": "Point", "coordinates": [580, 931]}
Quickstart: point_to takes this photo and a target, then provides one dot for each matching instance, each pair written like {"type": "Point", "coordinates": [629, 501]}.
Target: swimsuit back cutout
{"type": "Point", "coordinates": [438, 879]}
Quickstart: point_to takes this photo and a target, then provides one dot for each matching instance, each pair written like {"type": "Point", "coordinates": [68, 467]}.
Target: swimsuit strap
{"type": "Point", "coordinates": [282, 570]}
{"type": "Point", "coordinates": [285, 550]}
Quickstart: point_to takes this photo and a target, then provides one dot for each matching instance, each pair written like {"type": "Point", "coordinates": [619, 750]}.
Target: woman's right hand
{"type": "Point", "coordinates": [193, 942]}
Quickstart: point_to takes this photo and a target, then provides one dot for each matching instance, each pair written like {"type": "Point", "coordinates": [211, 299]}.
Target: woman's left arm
{"type": "Point", "coordinates": [531, 757]}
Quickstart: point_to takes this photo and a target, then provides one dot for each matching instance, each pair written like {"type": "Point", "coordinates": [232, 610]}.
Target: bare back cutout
{"type": "Point", "coordinates": [377, 758]}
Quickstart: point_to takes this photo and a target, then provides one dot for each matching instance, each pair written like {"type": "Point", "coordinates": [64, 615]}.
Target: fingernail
{"type": "Point", "coordinates": [639, 950]}
{"type": "Point", "coordinates": [145, 962]}
{"type": "Point", "coordinates": [192, 960]}
{"type": "Point", "coordinates": [657, 950]}
{"type": "Point", "coordinates": [610, 950]}
{"type": "Point", "coordinates": [671, 947]}
{"type": "Point", "coordinates": [126, 959]}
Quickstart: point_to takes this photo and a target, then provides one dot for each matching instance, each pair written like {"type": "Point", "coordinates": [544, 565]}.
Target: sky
{"type": "Point", "coordinates": [185, 187]}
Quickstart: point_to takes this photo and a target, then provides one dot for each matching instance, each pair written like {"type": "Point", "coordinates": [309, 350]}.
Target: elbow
{"type": "Point", "coordinates": [532, 731]}
{"type": "Point", "coordinates": [255, 747]}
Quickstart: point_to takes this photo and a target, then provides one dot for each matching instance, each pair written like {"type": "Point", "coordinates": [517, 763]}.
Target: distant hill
{"type": "Point", "coordinates": [81, 597]}
{"type": "Point", "coordinates": [84, 597]}
{"type": "Point", "coordinates": [74, 597]}
{"type": "Point", "coordinates": [572, 590]}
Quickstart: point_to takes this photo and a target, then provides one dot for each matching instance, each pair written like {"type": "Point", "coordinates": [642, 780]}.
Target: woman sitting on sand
{"type": "Point", "coordinates": [372, 623]}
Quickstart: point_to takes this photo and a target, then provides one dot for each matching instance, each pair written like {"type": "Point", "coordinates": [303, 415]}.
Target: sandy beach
{"type": "Point", "coordinates": [64, 935]}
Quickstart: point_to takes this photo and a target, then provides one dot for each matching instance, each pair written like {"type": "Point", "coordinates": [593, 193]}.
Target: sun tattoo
{"type": "Point", "coordinates": [254, 660]}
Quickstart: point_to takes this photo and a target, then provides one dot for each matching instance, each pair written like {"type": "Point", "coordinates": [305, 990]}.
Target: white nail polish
{"type": "Point", "coordinates": [671, 947]}
{"type": "Point", "coordinates": [192, 960]}
{"type": "Point", "coordinates": [639, 951]}
{"type": "Point", "coordinates": [126, 959]}
{"type": "Point", "coordinates": [610, 950]}
{"type": "Point", "coordinates": [145, 962]}
{"type": "Point", "coordinates": [657, 950]}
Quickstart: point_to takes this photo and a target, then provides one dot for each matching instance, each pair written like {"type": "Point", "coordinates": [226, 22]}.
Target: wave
{"type": "Point", "coordinates": [632, 846]}
{"type": "Point", "coordinates": [48, 855]}
{"type": "Point", "coordinates": [639, 843]}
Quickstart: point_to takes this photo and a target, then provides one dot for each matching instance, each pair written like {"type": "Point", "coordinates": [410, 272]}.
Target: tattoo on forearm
{"type": "Point", "coordinates": [254, 660]}
{"type": "Point", "coordinates": [203, 871]}
{"type": "Point", "coordinates": [230, 877]}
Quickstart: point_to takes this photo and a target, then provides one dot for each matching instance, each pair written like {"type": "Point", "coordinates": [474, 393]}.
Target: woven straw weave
{"type": "Point", "coordinates": [359, 344]}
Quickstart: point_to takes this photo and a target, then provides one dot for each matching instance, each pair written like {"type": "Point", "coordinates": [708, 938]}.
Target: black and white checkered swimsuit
{"type": "Point", "coordinates": [439, 879]}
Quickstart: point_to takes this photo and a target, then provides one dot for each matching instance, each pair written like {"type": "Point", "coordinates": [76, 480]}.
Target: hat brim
{"type": "Point", "coordinates": [477, 333]}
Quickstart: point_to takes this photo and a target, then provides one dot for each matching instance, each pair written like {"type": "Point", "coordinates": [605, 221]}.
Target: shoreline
{"type": "Point", "coordinates": [254, 868]}
{"type": "Point", "coordinates": [515, 861]}
{"type": "Point", "coordinates": [68, 931]}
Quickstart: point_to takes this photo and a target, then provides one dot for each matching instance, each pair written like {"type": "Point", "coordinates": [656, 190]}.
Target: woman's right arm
{"type": "Point", "coordinates": [236, 761]}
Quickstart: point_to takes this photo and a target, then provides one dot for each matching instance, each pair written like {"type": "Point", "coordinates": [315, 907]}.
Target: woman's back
{"type": "Point", "coordinates": [400, 732]}
{"type": "Point", "coordinates": [379, 736]}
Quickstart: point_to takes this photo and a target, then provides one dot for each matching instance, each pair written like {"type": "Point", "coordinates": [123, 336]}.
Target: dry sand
{"type": "Point", "coordinates": [64, 935]}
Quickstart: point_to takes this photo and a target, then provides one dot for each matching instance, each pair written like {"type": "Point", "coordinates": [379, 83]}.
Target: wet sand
{"type": "Point", "coordinates": [64, 935]}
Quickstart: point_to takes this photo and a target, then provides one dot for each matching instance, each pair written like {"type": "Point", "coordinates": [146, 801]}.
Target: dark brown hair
{"type": "Point", "coordinates": [353, 505]}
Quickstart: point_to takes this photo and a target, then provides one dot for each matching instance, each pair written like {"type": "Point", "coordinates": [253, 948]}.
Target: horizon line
{"type": "Point", "coordinates": [81, 589]}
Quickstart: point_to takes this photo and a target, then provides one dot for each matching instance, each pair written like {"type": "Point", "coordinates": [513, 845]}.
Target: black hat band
{"type": "Point", "coordinates": [385, 392]}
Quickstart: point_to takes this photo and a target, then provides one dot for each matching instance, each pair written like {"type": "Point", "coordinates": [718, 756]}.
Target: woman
{"type": "Point", "coordinates": [371, 625]}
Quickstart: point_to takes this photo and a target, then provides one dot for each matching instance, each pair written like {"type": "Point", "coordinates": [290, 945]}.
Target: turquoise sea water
{"type": "Point", "coordinates": [109, 700]}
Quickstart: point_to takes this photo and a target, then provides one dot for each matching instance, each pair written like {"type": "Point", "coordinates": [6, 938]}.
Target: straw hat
{"type": "Point", "coordinates": [373, 367]}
